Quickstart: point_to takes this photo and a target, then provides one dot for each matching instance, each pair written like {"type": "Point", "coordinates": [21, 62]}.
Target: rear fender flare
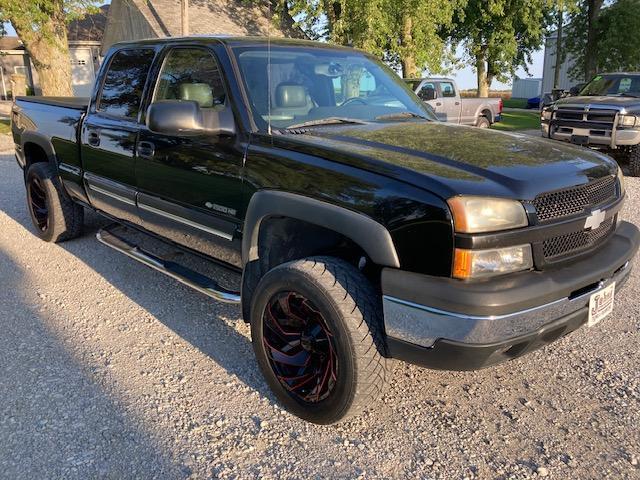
{"type": "Point", "coordinates": [370, 235]}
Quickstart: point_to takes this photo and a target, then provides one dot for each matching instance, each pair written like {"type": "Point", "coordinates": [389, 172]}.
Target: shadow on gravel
{"type": "Point", "coordinates": [56, 420]}
{"type": "Point", "coordinates": [196, 318]}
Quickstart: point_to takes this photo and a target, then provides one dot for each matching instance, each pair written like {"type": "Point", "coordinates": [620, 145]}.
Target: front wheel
{"type": "Point", "coordinates": [634, 161]}
{"type": "Point", "coordinates": [316, 329]}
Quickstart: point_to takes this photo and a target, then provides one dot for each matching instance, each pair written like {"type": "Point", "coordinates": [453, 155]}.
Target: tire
{"type": "Point", "coordinates": [349, 353]}
{"type": "Point", "coordinates": [634, 161]}
{"type": "Point", "coordinates": [483, 122]}
{"type": "Point", "coordinates": [54, 215]}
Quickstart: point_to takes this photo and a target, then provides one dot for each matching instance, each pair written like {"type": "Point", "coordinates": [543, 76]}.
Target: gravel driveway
{"type": "Point", "coordinates": [111, 370]}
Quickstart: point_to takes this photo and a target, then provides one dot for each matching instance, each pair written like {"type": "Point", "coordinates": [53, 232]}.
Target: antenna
{"type": "Point", "coordinates": [269, 70]}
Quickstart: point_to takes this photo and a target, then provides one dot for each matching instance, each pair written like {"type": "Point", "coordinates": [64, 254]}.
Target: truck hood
{"type": "Point", "coordinates": [628, 103]}
{"type": "Point", "coordinates": [451, 159]}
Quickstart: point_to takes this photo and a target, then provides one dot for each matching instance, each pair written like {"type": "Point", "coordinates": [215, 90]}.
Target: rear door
{"type": "Point", "coordinates": [450, 102]}
{"type": "Point", "coordinates": [110, 132]}
{"type": "Point", "coordinates": [191, 185]}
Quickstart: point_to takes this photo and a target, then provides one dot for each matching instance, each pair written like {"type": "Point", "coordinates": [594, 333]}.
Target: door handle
{"type": "Point", "coordinates": [438, 104]}
{"type": "Point", "coordinates": [457, 103]}
{"type": "Point", "coordinates": [146, 149]}
{"type": "Point", "coordinates": [93, 138]}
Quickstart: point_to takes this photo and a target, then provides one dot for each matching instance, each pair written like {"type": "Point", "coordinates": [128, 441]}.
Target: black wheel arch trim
{"type": "Point", "coordinates": [42, 141]}
{"type": "Point", "coordinates": [370, 235]}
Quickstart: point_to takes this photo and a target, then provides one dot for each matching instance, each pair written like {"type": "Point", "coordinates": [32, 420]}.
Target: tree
{"type": "Point", "coordinates": [406, 33]}
{"type": "Point", "coordinates": [499, 36]}
{"type": "Point", "coordinates": [42, 27]}
{"type": "Point", "coordinates": [606, 39]}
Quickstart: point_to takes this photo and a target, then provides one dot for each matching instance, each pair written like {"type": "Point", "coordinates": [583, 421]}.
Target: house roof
{"type": "Point", "coordinates": [235, 17]}
{"type": "Point", "coordinates": [90, 27]}
{"type": "Point", "coordinates": [10, 43]}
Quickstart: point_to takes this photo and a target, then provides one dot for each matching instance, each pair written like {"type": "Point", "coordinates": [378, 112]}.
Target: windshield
{"type": "Point", "coordinates": [308, 84]}
{"type": "Point", "coordinates": [613, 85]}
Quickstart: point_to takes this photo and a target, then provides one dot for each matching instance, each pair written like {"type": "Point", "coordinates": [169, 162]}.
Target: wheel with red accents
{"type": "Point", "coordinates": [316, 328]}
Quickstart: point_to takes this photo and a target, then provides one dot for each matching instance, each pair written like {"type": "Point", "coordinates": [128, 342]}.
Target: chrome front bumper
{"type": "Point", "coordinates": [423, 325]}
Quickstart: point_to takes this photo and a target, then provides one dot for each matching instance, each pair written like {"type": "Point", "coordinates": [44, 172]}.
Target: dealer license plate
{"type": "Point", "coordinates": [601, 304]}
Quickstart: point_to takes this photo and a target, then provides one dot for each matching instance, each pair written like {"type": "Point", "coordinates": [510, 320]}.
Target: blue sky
{"type": "Point", "coordinates": [466, 77]}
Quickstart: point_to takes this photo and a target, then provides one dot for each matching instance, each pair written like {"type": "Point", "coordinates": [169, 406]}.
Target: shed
{"type": "Point", "coordinates": [526, 87]}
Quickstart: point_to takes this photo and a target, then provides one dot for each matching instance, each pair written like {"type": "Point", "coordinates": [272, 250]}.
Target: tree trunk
{"type": "Point", "coordinates": [408, 60]}
{"type": "Point", "coordinates": [591, 51]}
{"type": "Point", "coordinates": [483, 79]}
{"type": "Point", "coordinates": [49, 51]}
{"type": "Point", "coordinates": [559, 54]}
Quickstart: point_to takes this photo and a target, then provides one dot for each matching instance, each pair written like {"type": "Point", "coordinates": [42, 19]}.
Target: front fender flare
{"type": "Point", "coordinates": [370, 235]}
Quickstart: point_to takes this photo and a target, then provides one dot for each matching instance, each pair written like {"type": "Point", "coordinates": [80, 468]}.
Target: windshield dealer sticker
{"type": "Point", "coordinates": [601, 304]}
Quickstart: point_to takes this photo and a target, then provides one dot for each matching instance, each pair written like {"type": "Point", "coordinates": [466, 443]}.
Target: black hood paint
{"type": "Point", "coordinates": [450, 159]}
{"type": "Point", "coordinates": [631, 104]}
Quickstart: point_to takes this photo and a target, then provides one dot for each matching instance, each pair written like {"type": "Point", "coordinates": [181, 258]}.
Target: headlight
{"type": "Point", "coordinates": [628, 120]}
{"type": "Point", "coordinates": [621, 181]}
{"type": "Point", "coordinates": [470, 264]}
{"type": "Point", "coordinates": [485, 214]}
{"type": "Point", "coordinates": [546, 113]}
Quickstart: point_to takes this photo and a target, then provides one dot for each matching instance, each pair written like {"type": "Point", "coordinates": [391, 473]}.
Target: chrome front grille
{"type": "Point", "coordinates": [576, 242]}
{"type": "Point", "coordinates": [587, 116]}
{"type": "Point", "coordinates": [575, 200]}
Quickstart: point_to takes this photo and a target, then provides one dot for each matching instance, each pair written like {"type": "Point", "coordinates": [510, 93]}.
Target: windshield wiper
{"type": "Point", "coordinates": [400, 116]}
{"type": "Point", "coordinates": [327, 121]}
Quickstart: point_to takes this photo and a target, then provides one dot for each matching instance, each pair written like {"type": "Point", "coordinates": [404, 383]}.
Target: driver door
{"type": "Point", "coordinates": [190, 185]}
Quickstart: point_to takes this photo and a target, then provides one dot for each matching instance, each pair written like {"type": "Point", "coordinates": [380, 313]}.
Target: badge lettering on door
{"type": "Point", "coordinates": [221, 209]}
{"type": "Point", "coordinates": [595, 219]}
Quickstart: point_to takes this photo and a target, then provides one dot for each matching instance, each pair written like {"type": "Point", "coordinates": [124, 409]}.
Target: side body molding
{"type": "Point", "coordinates": [370, 235]}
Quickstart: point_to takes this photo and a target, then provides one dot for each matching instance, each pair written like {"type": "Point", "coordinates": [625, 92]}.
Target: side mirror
{"type": "Point", "coordinates": [573, 91]}
{"type": "Point", "coordinates": [427, 94]}
{"type": "Point", "coordinates": [185, 117]}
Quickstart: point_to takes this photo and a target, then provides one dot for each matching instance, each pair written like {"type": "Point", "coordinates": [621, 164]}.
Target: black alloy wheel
{"type": "Point", "coordinates": [38, 203]}
{"type": "Point", "coordinates": [300, 347]}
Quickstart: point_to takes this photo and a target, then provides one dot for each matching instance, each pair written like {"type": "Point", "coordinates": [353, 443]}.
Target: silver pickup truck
{"type": "Point", "coordinates": [443, 96]}
{"type": "Point", "coordinates": [604, 115]}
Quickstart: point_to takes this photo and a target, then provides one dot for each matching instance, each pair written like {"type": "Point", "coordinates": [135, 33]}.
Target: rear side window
{"type": "Point", "coordinates": [124, 82]}
{"type": "Point", "coordinates": [447, 89]}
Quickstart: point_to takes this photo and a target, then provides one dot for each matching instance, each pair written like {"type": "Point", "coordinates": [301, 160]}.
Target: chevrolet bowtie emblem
{"type": "Point", "coordinates": [595, 219]}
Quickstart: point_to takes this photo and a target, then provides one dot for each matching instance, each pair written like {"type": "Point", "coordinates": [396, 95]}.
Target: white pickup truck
{"type": "Point", "coordinates": [443, 95]}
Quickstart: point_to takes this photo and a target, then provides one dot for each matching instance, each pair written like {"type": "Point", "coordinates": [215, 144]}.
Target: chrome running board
{"type": "Point", "coordinates": [195, 280]}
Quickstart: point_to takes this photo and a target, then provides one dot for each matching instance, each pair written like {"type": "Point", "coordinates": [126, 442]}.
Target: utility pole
{"type": "Point", "coordinates": [184, 8]}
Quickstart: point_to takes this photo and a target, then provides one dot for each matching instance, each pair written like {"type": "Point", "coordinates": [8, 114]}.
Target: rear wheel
{"type": "Point", "coordinates": [483, 122]}
{"type": "Point", "coordinates": [316, 328]}
{"type": "Point", "coordinates": [55, 216]}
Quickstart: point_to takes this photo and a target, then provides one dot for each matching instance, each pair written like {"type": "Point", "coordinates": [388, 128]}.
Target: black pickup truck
{"type": "Point", "coordinates": [364, 229]}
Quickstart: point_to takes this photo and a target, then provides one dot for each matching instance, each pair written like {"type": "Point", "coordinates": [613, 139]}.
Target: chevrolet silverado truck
{"type": "Point", "coordinates": [443, 96]}
{"type": "Point", "coordinates": [364, 229]}
{"type": "Point", "coordinates": [604, 115]}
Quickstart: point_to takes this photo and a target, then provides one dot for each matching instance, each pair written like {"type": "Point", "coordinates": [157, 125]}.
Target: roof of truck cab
{"type": "Point", "coordinates": [234, 41]}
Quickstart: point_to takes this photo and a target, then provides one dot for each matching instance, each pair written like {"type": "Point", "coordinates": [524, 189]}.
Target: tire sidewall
{"type": "Point", "coordinates": [285, 278]}
{"type": "Point", "coordinates": [41, 172]}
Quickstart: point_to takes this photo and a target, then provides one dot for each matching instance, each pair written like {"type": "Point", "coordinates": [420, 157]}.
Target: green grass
{"type": "Point", "coordinates": [514, 103]}
{"type": "Point", "coordinates": [5, 127]}
{"type": "Point", "coordinates": [518, 121]}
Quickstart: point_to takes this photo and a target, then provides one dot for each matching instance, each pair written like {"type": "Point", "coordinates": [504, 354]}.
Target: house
{"type": "Point", "coordinates": [85, 40]}
{"type": "Point", "coordinates": [136, 19]}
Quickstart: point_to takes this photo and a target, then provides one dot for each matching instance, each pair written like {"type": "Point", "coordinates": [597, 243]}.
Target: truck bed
{"type": "Point", "coordinates": [76, 103]}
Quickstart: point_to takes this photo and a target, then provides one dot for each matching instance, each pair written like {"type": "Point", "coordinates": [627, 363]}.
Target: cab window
{"type": "Point", "coordinates": [191, 74]}
{"type": "Point", "coordinates": [124, 82]}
